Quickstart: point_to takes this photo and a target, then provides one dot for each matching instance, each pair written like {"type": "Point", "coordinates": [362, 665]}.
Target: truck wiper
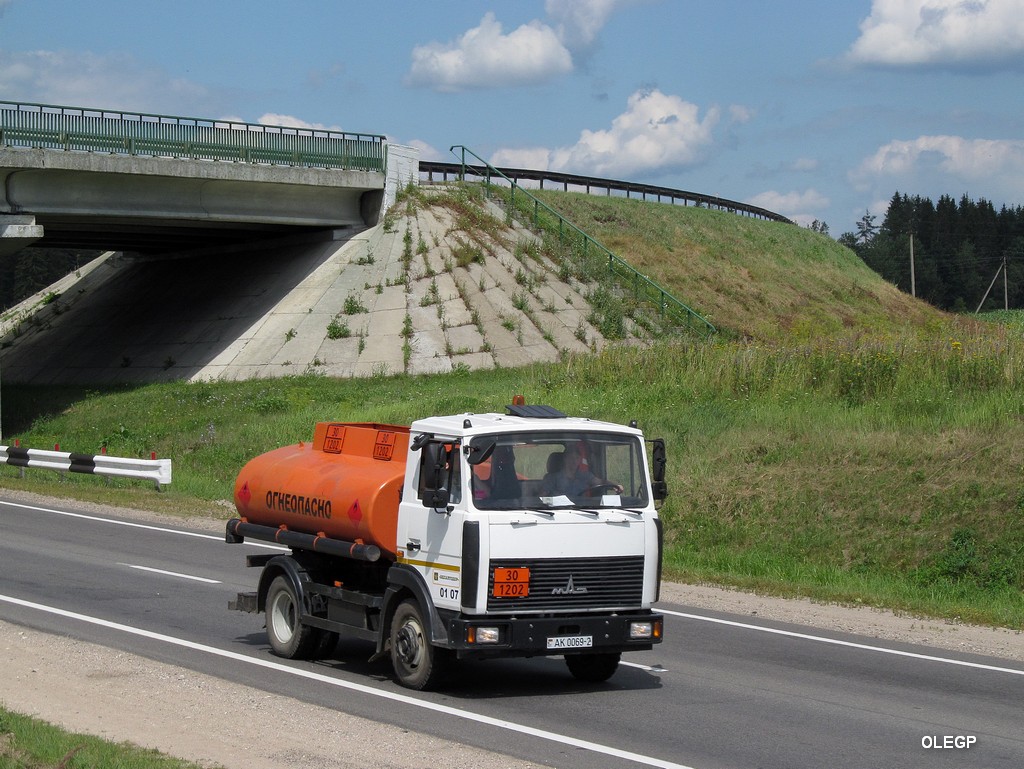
{"type": "Point", "coordinates": [540, 511]}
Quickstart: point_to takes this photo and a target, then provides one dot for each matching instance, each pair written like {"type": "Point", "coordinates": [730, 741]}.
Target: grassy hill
{"type": "Point", "coordinates": [753, 279]}
{"type": "Point", "coordinates": [838, 439]}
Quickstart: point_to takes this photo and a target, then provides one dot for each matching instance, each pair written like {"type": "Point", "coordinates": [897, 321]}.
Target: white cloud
{"type": "Point", "coordinates": [741, 114]}
{"type": "Point", "coordinates": [580, 21]}
{"type": "Point", "coordinates": [657, 132]}
{"type": "Point", "coordinates": [964, 159]}
{"type": "Point", "coordinates": [427, 151]}
{"type": "Point", "coordinates": [941, 33]}
{"type": "Point", "coordinates": [486, 57]}
{"type": "Point", "coordinates": [804, 164]}
{"type": "Point", "coordinates": [798, 206]}
{"type": "Point", "coordinates": [951, 165]}
{"type": "Point", "coordinates": [290, 121]}
{"type": "Point", "coordinates": [536, 158]}
{"type": "Point", "coordinates": [85, 79]}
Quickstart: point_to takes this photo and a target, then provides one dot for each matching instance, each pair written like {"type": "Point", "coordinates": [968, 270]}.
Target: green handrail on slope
{"type": "Point", "coordinates": [668, 304]}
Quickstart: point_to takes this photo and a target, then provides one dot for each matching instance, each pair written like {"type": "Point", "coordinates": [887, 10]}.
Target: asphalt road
{"type": "Point", "coordinates": [721, 691]}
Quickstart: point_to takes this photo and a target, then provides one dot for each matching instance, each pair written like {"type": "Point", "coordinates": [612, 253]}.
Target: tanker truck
{"type": "Point", "coordinates": [517, 534]}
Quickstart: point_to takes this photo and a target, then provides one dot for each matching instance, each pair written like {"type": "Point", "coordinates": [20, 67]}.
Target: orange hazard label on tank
{"type": "Point", "coordinates": [384, 448]}
{"type": "Point", "coordinates": [244, 495]}
{"type": "Point", "coordinates": [334, 439]}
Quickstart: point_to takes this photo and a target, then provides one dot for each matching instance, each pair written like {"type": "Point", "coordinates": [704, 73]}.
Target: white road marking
{"type": "Point", "coordinates": [648, 668]}
{"type": "Point", "coordinates": [499, 723]}
{"type": "Point", "coordinates": [133, 525]}
{"type": "Point", "coordinates": [848, 644]}
{"type": "Point", "coordinates": [170, 573]}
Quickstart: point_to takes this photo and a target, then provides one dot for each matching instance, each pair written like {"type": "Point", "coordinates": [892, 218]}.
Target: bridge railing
{"type": "Point", "coordinates": [608, 186]}
{"type": "Point", "coordinates": [132, 133]}
{"type": "Point", "coordinates": [672, 311]}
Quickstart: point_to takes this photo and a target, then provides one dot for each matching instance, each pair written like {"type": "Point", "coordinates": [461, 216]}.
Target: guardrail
{"type": "Point", "coordinates": [589, 183]}
{"type": "Point", "coordinates": [156, 470]}
{"type": "Point", "coordinates": [83, 129]}
{"type": "Point", "coordinates": [643, 287]}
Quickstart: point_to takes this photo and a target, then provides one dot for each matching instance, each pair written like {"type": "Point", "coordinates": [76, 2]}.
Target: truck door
{"type": "Point", "coordinates": [432, 536]}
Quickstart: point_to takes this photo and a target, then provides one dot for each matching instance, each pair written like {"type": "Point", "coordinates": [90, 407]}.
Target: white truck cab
{"type": "Point", "coordinates": [535, 533]}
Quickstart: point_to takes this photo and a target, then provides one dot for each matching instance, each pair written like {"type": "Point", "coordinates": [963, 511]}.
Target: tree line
{"type": "Point", "coordinates": [961, 249]}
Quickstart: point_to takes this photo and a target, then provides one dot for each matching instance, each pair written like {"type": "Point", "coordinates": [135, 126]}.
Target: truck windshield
{"type": "Point", "coordinates": [559, 469]}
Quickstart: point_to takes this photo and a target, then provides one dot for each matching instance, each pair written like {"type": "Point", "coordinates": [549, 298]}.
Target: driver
{"type": "Point", "coordinates": [574, 478]}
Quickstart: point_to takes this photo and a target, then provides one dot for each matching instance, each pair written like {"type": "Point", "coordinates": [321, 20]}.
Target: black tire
{"type": "Point", "coordinates": [593, 668]}
{"type": "Point", "coordinates": [288, 637]}
{"type": "Point", "coordinates": [417, 664]}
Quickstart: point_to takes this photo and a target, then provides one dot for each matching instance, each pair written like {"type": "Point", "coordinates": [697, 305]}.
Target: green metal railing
{"type": "Point", "coordinates": [671, 310]}
{"type": "Point", "coordinates": [130, 133]}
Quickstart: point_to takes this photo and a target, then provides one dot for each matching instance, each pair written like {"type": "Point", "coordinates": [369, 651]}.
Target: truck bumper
{"type": "Point", "coordinates": [544, 636]}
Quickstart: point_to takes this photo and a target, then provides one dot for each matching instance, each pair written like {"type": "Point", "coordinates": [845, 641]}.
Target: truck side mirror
{"type": "Point", "coordinates": [435, 475]}
{"type": "Point", "coordinates": [659, 489]}
{"type": "Point", "coordinates": [480, 454]}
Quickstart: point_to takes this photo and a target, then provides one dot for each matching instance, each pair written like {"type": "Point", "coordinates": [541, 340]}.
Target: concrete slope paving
{"type": "Point", "coordinates": [399, 297]}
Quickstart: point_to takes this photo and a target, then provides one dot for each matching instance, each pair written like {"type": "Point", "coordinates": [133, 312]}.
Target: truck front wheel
{"type": "Point", "coordinates": [417, 664]}
{"type": "Point", "coordinates": [592, 668]}
{"type": "Point", "coordinates": [288, 637]}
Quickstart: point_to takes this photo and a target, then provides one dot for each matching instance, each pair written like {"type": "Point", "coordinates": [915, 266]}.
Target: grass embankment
{"type": "Point", "coordinates": [28, 743]}
{"type": "Point", "coordinates": [878, 471]}
{"type": "Point", "coordinates": [752, 279]}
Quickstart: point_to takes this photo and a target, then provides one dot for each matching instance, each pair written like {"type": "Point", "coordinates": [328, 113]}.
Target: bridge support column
{"type": "Point", "coordinates": [16, 232]}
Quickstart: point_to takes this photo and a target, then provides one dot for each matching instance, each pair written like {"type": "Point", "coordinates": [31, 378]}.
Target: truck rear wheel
{"type": "Point", "coordinates": [593, 668]}
{"type": "Point", "coordinates": [417, 664]}
{"type": "Point", "coordinates": [288, 637]}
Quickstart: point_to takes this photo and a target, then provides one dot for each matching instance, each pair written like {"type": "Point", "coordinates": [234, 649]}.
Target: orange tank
{"type": "Point", "coordinates": [345, 485]}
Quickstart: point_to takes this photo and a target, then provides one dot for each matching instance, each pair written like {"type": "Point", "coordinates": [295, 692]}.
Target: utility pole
{"type": "Point", "coordinates": [994, 279]}
{"type": "Point", "coordinates": [1006, 293]}
{"type": "Point", "coordinates": [913, 283]}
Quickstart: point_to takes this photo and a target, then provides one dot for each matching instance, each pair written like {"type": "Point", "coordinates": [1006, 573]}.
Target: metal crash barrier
{"type": "Point", "coordinates": [156, 470]}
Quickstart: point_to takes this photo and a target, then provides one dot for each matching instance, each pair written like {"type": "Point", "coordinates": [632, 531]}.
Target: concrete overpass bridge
{"type": "Point", "coordinates": [156, 184]}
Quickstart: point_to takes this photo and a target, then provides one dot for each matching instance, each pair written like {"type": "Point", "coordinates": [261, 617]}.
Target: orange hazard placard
{"type": "Point", "coordinates": [384, 447]}
{"type": "Point", "coordinates": [334, 439]}
{"type": "Point", "coordinates": [511, 583]}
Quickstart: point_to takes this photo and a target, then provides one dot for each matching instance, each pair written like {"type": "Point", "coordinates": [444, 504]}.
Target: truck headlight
{"type": "Point", "coordinates": [645, 629]}
{"type": "Point", "coordinates": [483, 635]}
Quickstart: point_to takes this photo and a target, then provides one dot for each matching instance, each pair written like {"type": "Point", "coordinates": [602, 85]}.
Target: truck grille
{"type": "Point", "coordinates": [572, 583]}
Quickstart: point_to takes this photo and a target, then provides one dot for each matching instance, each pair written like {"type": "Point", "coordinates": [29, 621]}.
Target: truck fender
{"type": "Point", "coordinates": [296, 574]}
{"type": "Point", "coordinates": [402, 581]}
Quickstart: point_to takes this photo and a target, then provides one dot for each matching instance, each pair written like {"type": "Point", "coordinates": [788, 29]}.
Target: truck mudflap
{"type": "Point", "coordinates": [546, 636]}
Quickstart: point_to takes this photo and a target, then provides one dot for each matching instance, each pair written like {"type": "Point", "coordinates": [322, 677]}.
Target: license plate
{"type": "Point", "coordinates": [571, 642]}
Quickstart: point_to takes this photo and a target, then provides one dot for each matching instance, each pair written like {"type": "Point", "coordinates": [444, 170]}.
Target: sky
{"type": "Point", "coordinates": [815, 109]}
